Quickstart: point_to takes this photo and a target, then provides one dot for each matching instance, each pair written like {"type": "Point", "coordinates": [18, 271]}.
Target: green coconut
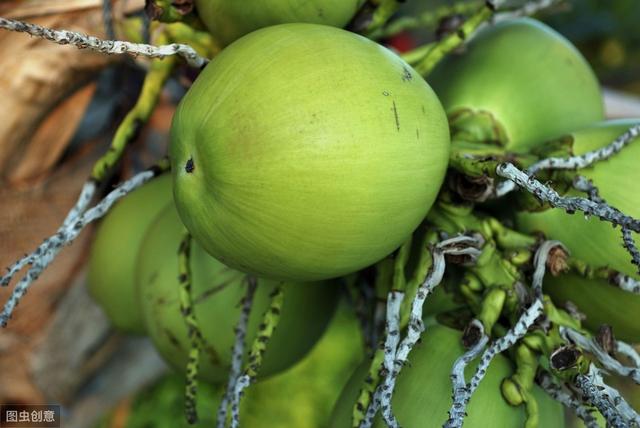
{"type": "Point", "coordinates": [111, 275]}
{"type": "Point", "coordinates": [594, 241]}
{"type": "Point", "coordinates": [217, 291]}
{"type": "Point", "coordinates": [230, 20]}
{"type": "Point", "coordinates": [517, 83]}
{"type": "Point", "coordinates": [302, 396]}
{"type": "Point", "coordinates": [423, 391]}
{"type": "Point", "coordinates": [305, 152]}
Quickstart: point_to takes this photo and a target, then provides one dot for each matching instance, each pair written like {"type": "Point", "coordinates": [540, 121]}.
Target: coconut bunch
{"type": "Point", "coordinates": [468, 199]}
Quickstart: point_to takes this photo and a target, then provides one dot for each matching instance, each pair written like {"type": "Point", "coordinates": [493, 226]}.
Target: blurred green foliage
{"type": "Point", "coordinates": [608, 33]}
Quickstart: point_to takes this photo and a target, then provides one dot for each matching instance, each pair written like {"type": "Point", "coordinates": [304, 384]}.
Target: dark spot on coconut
{"type": "Point", "coordinates": [406, 75]}
{"type": "Point", "coordinates": [385, 93]}
{"type": "Point", "coordinates": [395, 114]}
{"type": "Point", "coordinates": [172, 338]}
{"type": "Point", "coordinates": [189, 166]}
{"type": "Point", "coordinates": [212, 291]}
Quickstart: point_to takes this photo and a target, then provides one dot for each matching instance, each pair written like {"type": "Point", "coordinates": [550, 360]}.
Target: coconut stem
{"type": "Point", "coordinates": [567, 399]}
{"type": "Point", "coordinates": [589, 158]}
{"type": "Point", "coordinates": [568, 203]}
{"type": "Point", "coordinates": [382, 396]}
{"type": "Point", "coordinates": [193, 331]}
{"type": "Point", "coordinates": [585, 185]}
{"type": "Point", "coordinates": [457, 410]}
{"type": "Point", "coordinates": [46, 253]}
{"type": "Point", "coordinates": [628, 351]}
{"type": "Point", "coordinates": [428, 19]}
{"type": "Point", "coordinates": [574, 162]}
{"type": "Point", "coordinates": [396, 351]}
{"type": "Point", "coordinates": [591, 345]}
{"type": "Point", "coordinates": [82, 41]}
{"type": "Point", "coordinates": [433, 53]}
{"type": "Point", "coordinates": [86, 195]}
{"type": "Point", "coordinates": [540, 263]}
{"type": "Point", "coordinates": [126, 132]}
{"type": "Point", "coordinates": [237, 352]}
{"type": "Point", "coordinates": [630, 245]}
{"type": "Point", "coordinates": [389, 274]}
{"type": "Point", "coordinates": [607, 400]}
{"type": "Point", "coordinates": [269, 323]}
{"type": "Point", "coordinates": [438, 50]}
{"type": "Point", "coordinates": [129, 129]}
{"type": "Point", "coordinates": [367, 403]}
{"type": "Point", "coordinates": [620, 280]}
{"type": "Point", "coordinates": [462, 396]}
{"type": "Point", "coordinates": [384, 10]}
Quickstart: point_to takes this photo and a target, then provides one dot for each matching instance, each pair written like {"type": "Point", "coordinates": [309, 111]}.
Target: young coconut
{"type": "Point", "coordinates": [305, 394]}
{"type": "Point", "coordinates": [216, 293]}
{"type": "Point", "coordinates": [230, 20]}
{"type": "Point", "coordinates": [423, 393]}
{"type": "Point", "coordinates": [111, 275]}
{"type": "Point", "coordinates": [305, 152]}
{"type": "Point", "coordinates": [517, 83]}
{"type": "Point", "coordinates": [302, 396]}
{"type": "Point", "coordinates": [593, 241]}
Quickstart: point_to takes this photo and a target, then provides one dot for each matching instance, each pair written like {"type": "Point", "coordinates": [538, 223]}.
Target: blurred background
{"type": "Point", "coordinates": [60, 107]}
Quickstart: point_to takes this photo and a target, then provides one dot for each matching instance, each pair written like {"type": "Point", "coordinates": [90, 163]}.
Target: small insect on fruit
{"type": "Point", "coordinates": [305, 152]}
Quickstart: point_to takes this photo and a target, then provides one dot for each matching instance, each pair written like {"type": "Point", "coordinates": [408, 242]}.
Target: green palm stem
{"type": "Point", "coordinates": [438, 50]}
{"type": "Point", "coordinates": [427, 19]}
{"type": "Point", "coordinates": [193, 331]}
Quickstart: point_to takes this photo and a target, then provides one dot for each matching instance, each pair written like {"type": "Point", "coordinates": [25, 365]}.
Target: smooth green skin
{"type": "Point", "coordinates": [534, 82]}
{"type": "Point", "coordinates": [316, 151]}
{"type": "Point", "coordinates": [423, 391]}
{"type": "Point", "coordinates": [302, 396]}
{"type": "Point", "coordinates": [230, 20]}
{"type": "Point", "coordinates": [594, 241]}
{"type": "Point", "coordinates": [217, 291]}
{"type": "Point", "coordinates": [111, 276]}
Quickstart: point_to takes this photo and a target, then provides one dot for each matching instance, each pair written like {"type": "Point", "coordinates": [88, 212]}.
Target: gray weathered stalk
{"type": "Point", "coordinates": [110, 47]}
